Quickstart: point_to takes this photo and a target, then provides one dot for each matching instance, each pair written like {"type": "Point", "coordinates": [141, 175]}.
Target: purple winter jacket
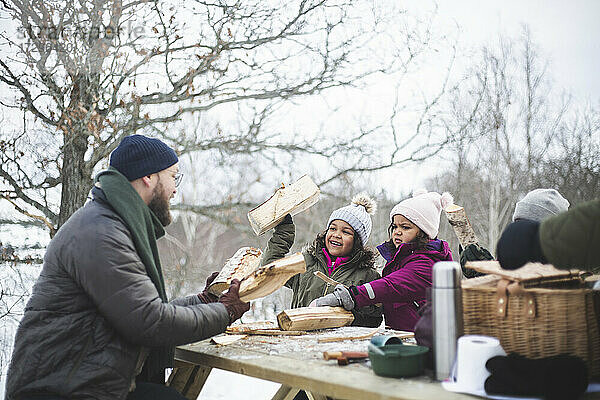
{"type": "Point", "coordinates": [406, 276]}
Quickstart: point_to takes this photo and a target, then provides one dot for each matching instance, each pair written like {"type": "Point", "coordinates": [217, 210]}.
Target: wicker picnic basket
{"type": "Point", "coordinates": [536, 311]}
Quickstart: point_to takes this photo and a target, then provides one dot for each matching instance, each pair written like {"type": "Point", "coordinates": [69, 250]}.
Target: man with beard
{"type": "Point", "coordinates": [98, 323]}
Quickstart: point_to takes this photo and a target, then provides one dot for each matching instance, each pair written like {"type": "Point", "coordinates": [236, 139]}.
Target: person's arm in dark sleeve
{"type": "Point", "coordinates": [280, 244]}
{"type": "Point", "coordinates": [116, 281]}
{"type": "Point", "coordinates": [281, 241]}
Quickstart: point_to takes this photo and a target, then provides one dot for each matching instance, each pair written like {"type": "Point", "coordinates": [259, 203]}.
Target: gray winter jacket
{"type": "Point", "coordinates": [94, 312]}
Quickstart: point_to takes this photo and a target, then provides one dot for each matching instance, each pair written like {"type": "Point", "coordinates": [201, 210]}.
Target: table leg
{"type": "Point", "coordinates": [188, 379]}
{"type": "Point", "coordinates": [285, 393]}
{"type": "Point", "coordinates": [316, 396]}
{"type": "Point", "coordinates": [288, 393]}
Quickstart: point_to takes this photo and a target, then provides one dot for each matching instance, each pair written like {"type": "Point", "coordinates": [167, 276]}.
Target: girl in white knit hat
{"type": "Point", "coordinates": [338, 252]}
{"type": "Point", "coordinates": [410, 252]}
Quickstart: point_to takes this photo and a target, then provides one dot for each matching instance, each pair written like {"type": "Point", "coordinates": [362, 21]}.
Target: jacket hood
{"type": "Point", "coordinates": [436, 249]}
{"type": "Point", "coordinates": [98, 194]}
{"type": "Point", "coordinates": [363, 258]}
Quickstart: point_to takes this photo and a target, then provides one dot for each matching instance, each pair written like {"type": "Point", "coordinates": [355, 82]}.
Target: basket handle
{"type": "Point", "coordinates": [506, 287]}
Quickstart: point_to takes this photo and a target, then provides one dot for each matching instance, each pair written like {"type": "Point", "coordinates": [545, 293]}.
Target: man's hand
{"type": "Point", "coordinates": [231, 300]}
{"type": "Point", "coordinates": [206, 296]}
{"type": "Point", "coordinates": [340, 297]}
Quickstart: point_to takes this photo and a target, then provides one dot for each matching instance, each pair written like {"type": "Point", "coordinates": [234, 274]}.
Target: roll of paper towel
{"type": "Point", "coordinates": [469, 372]}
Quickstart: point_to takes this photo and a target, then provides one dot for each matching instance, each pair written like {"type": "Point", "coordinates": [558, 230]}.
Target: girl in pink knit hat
{"type": "Point", "coordinates": [410, 252]}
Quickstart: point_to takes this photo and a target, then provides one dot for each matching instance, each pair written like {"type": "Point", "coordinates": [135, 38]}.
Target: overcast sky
{"type": "Point", "coordinates": [568, 33]}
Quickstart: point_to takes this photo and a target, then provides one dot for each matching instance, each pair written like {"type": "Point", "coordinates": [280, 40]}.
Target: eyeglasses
{"type": "Point", "coordinates": [177, 177]}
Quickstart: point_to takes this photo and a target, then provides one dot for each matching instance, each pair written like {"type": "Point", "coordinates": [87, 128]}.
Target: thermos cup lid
{"type": "Point", "coordinates": [446, 274]}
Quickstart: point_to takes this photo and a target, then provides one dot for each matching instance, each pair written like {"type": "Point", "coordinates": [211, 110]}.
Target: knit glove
{"type": "Point", "coordinates": [520, 244]}
{"type": "Point", "coordinates": [206, 296]}
{"type": "Point", "coordinates": [340, 297]}
{"type": "Point", "coordinates": [473, 252]}
{"type": "Point", "coordinates": [554, 378]}
{"type": "Point", "coordinates": [231, 300]}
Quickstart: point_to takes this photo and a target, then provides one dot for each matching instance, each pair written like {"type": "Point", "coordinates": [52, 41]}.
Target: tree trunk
{"type": "Point", "coordinates": [76, 180]}
{"type": "Point", "coordinates": [77, 127]}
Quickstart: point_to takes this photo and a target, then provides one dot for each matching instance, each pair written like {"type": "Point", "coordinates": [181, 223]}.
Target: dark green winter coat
{"type": "Point", "coordinates": [307, 287]}
{"type": "Point", "coordinates": [570, 239]}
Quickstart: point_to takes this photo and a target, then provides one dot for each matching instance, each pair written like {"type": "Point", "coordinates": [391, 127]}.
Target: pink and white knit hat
{"type": "Point", "coordinates": [423, 210]}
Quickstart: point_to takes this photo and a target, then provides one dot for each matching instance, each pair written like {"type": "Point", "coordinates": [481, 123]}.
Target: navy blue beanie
{"type": "Point", "coordinates": [138, 156]}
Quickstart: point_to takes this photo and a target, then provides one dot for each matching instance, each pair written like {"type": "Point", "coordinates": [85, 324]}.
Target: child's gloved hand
{"type": "Point", "coordinates": [340, 297]}
{"type": "Point", "coordinates": [520, 244]}
{"type": "Point", "coordinates": [287, 220]}
{"type": "Point", "coordinates": [206, 296]}
{"type": "Point", "coordinates": [473, 252]}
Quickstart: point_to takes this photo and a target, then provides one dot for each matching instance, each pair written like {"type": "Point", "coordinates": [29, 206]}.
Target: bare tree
{"type": "Point", "coordinates": [80, 75]}
{"type": "Point", "coordinates": [574, 167]}
{"type": "Point", "coordinates": [523, 135]}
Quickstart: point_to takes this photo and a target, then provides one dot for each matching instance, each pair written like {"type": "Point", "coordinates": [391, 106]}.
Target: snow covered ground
{"type": "Point", "coordinates": [223, 385]}
{"type": "Point", "coordinates": [16, 281]}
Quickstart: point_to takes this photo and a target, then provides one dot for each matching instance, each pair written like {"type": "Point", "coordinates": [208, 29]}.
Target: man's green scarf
{"type": "Point", "coordinates": [145, 228]}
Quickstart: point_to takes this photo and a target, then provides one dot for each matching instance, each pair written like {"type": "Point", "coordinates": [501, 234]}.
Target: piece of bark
{"type": "Point", "coordinates": [267, 279]}
{"type": "Point", "coordinates": [267, 328]}
{"type": "Point", "coordinates": [291, 199]}
{"type": "Point", "coordinates": [406, 335]}
{"type": "Point", "coordinates": [342, 338]}
{"type": "Point", "coordinates": [348, 355]}
{"type": "Point", "coordinates": [252, 326]}
{"type": "Point", "coordinates": [313, 318]}
{"type": "Point", "coordinates": [226, 339]}
{"type": "Point", "coordinates": [275, 332]}
{"type": "Point", "coordinates": [457, 217]}
{"type": "Point", "coordinates": [243, 263]}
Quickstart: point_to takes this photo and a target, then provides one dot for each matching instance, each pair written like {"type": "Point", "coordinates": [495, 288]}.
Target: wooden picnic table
{"type": "Point", "coordinates": [297, 363]}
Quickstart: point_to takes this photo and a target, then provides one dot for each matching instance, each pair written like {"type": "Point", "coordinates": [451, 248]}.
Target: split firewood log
{"type": "Point", "coordinates": [291, 199]}
{"type": "Point", "coordinates": [457, 217]}
{"type": "Point", "coordinates": [256, 281]}
{"type": "Point", "coordinates": [312, 318]}
{"type": "Point", "coordinates": [243, 263]}
{"type": "Point", "coordinates": [267, 279]}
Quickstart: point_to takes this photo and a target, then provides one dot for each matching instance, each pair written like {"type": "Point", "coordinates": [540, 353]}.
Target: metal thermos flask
{"type": "Point", "coordinates": [447, 315]}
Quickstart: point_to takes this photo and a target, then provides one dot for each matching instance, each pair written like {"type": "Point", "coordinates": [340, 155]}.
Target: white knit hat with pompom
{"type": "Point", "coordinates": [423, 210]}
{"type": "Point", "coordinates": [357, 215]}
